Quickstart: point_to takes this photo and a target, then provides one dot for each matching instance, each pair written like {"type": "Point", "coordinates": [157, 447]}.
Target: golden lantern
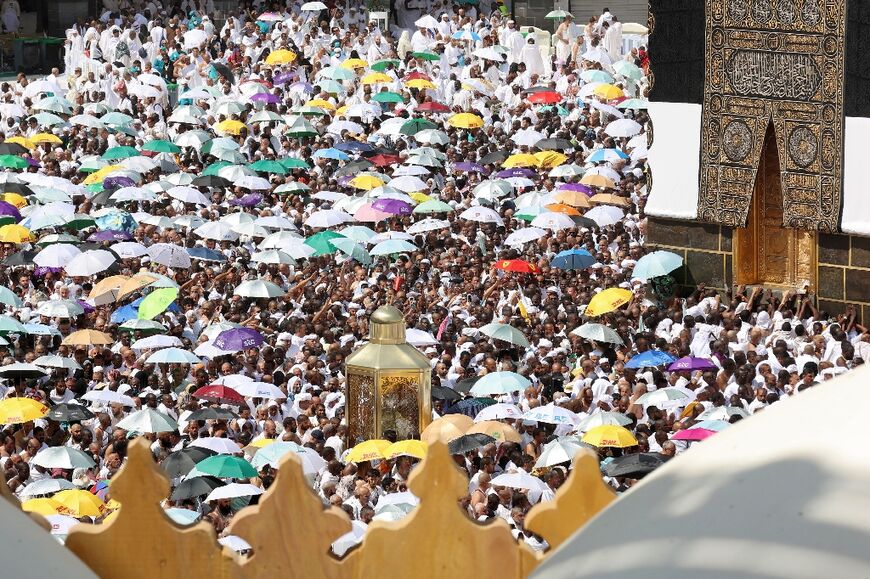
{"type": "Point", "coordinates": [389, 382]}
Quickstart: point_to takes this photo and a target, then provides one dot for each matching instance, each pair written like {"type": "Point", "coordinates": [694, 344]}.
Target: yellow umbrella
{"type": "Point", "coordinates": [14, 199]}
{"type": "Point", "coordinates": [41, 506]}
{"type": "Point", "coordinates": [465, 121]}
{"type": "Point", "coordinates": [80, 503]}
{"type": "Point", "coordinates": [607, 301]}
{"type": "Point", "coordinates": [520, 160]}
{"type": "Point", "coordinates": [573, 198]}
{"type": "Point", "coordinates": [415, 448]}
{"type": "Point", "coordinates": [500, 431]}
{"type": "Point", "coordinates": [609, 435]}
{"type": "Point", "coordinates": [263, 442]}
{"type": "Point", "coordinates": [98, 176]}
{"type": "Point", "coordinates": [364, 182]}
{"type": "Point", "coordinates": [282, 56]}
{"type": "Point", "coordinates": [376, 77]}
{"type": "Point", "coordinates": [18, 410]}
{"type": "Point", "coordinates": [46, 138]}
{"type": "Point", "coordinates": [23, 141]}
{"type": "Point", "coordinates": [352, 63]}
{"type": "Point", "coordinates": [420, 197]}
{"type": "Point", "coordinates": [420, 83]}
{"type": "Point", "coordinates": [88, 338]}
{"type": "Point", "coordinates": [595, 180]}
{"type": "Point", "coordinates": [341, 110]}
{"type": "Point", "coordinates": [441, 430]}
{"type": "Point", "coordinates": [230, 127]}
{"type": "Point", "coordinates": [324, 104]}
{"type": "Point", "coordinates": [550, 159]}
{"type": "Point", "coordinates": [14, 233]}
{"type": "Point", "coordinates": [610, 199]}
{"type": "Point", "coordinates": [368, 450]}
{"type": "Point", "coordinates": [608, 91]}
{"type": "Point", "coordinates": [135, 283]}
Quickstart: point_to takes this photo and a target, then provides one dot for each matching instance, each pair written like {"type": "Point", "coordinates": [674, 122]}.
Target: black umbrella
{"type": "Point", "coordinates": [180, 462]}
{"type": "Point", "coordinates": [470, 406]}
{"type": "Point", "coordinates": [24, 257]}
{"type": "Point", "coordinates": [634, 465]}
{"type": "Point", "coordinates": [19, 188]}
{"type": "Point", "coordinates": [468, 442]}
{"type": "Point", "coordinates": [354, 167]}
{"type": "Point", "coordinates": [210, 181]}
{"type": "Point", "coordinates": [554, 144]}
{"type": "Point", "coordinates": [464, 386]}
{"type": "Point", "coordinates": [494, 157]}
{"type": "Point", "coordinates": [581, 221]}
{"type": "Point", "coordinates": [211, 414]}
{"type": "Point", "coordinates": [224, 71]}
{"type": "Point", "coordinates": [102, 198]}
{"type": "Point", "coordinates": [375, 151]}
{"type": "Point", "coordinates": [441, 393]}
{"type": "Point", "coordinates": [537, 88]}
{"type": "Point", "coordinates": [69, 413]}
{"type": "Point", "coordinates": [195, 487]}
{"type": "Point", "coordinates": [12, 149]}
{"type": "Point", "coordinates": [22, 371]}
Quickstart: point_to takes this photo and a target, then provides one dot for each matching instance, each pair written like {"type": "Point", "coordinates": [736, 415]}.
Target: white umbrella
{"type": "Point", "coordinates": [252, 183]}
{"type": "Point", "coordinates": [330, 196]}
{"type": "Point", "coordinates": [260, 390]}
{"type": "Point", "coordinates": [231, 380]}
{"type": "Point", "coordinates": [597, 332]}
{"type": "Point", "coordinates": [559, 451]}
{"type": "Point", "coordinates": [313, 7]}
{"type": "Point", "coordinates": [160, 221]}
{"type": "Point", "coordinates": [392, 246]}
{"type": "Point", "coordinates": [534, 199]}
{"type": "Point", "coordinates": [428, 224]}
{"type": "Point", "coordinates": [527, 137]}
{"type": "Point", "coordinates": [566, 171]}
{"type": "Point", "coordinates": [216, 230]}
{"type": "Point", "coordinates": [169, 255]}
{"type": "Point", "coordinates": [194, 38]}
{"type": "Point", "coordinates": [518, 480]}
{"type": "Point", "coordinates": [90, 262]}
{"type": "Point", "coordinates": [188, 195]}
{"type": "Point", "coordinates": [375, 239]}
{"type": "Point", "coordinates": [108, 397]}
{"type": "Point", "coordinates": [493, 189]}
{"type": "Point", "coordinates": [552, 414]}
{"type": "Point", "coordinates": [87, 121]}
{"type": "Point", "coordinates": [524, 235]}
{"type": "Point", "coordinates": [217, 444]}
{"type": "Point", "coordinates": [605, 215]}
{"type": "Point", "coordinates": [148, 420]}
{"type": "Point", "coordinates": [47, 486]}
{"type": "Point", "coordinates": [273, 256]}
{"type": "Point", "coordinates": [274, 222]}
{"type": "Point", "coordinates": [482, 215]}
{"type": "Point", "coordinates": [55, 361]}
{"type": "Point", "coordinates": [60, 309]}
{"type": "Point", "coordinates": [258, 288]}
{"type": "Point", "coordinates": [602, 419]}
{"type": "Point", "coordinates": [419, 338]}
{"type": "Point", "coordinates": [623, 128]}
{"type": "Point", "coordinates": [156, 342]}
{"type": "Point", "coordinates": [431, 136]}
{"type": "Point", "coordinates": [128, 249]}
{"type": "Point", "coordinates": [232, 491]}
{"type": "Point", "coordinates": [605, 171]}
{"type": "Point", "coordinates": [251, 230]}
{"type": "Point", "coordinates": [427, 21]}
{"type": "Point", "coordinates": [657, 397]}
{"type": "Point", "coordinates": [350, 539]}
{"type": "Point", "coordinates": [133, 194]}
{"type": "Point", "coordinates": [172, 355]}
{"type": "Point", "coordinates": [238, 218]}
{"type": "Point", "coordinates": [499, 411]}
{"type": "Point", "coordinates": [234, 542]}
{"type": "Point", "coordinates": [65, 457]}
{"type": "Point", "coordinates": [56, 255]}
{"type": "Point", "coordinates": [553, 221]}
{"type": "Point", "coordinates": [603, 107]}
{"type": "Point", "coordinates": [327, 218]}
{"type": "Point", "coordinates": [409, 184]}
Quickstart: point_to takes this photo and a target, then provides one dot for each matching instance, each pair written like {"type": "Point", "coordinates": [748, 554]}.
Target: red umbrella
{"type": "Point", "coordinates": [433, 107]}
{"type": "Point", "coordinates": [547, 97]}
{"type": "Point", "coordinates": [384, 160]}
{"type": "Point", "coordinates": [220, 394]}
{"type": "Point", "coordinates": [693, 434]}
{"type": "Point", "coordinates": [516, 265]}
{"type": "Point", "coordinates": [415, 75]}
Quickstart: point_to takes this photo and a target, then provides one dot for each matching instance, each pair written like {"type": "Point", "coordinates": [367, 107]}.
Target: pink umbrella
{"type": "Point", "coordinates": [367, 213]}
{"type": "Point", "coordinates": [693, 434]}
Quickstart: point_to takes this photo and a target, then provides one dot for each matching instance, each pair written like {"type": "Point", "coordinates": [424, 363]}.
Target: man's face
{"type": "Point", "coordinates": [76, 432]}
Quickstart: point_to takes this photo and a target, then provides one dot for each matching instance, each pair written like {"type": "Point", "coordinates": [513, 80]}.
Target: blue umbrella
{"type": "Point", "coordinates": [601, 155]}
{"type": "Point", "coordinates": [206, 254]}
{"type": "Point", "coordinates": [124, 314]}
{"type": "Point", "coordinates": [466, 34]}
{"type": "Point", "coordinates": [656, 264]}
{"type": "Point", "coordinates": [649, 359]}
{"type": "Point", "coordinates": [470, 406]}
{"type": "Point", "coordinates": [354, 146]}
{"type": "Point", "coordinates": [331, 153]}
{"type": "Point", "coordinates": [573, 259]}
{"type": "Point", "coordinates": [41, 330]}
{"type": "Point", "coordinates": [117, 221]}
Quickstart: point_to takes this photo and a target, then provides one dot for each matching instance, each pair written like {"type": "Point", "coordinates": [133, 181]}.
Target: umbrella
{"type": "Point", "coordinates": [447, 394]}
{"type": "Point", "coordinates": [148, 420]}
{"type": "Point", "coordinates": [258, 288]}
{"type": "Point", "coordinates": [46, 486]}
{"type": "Point", "coordinates": [500, 431]}
{"type": "Point", "coordinates": [559, 451]}
{"type": "Point", "coordinates": [64, 457]}
{"type": "Point", "coordinates": [598, 333]}
{"type": "Point", "coordinates": [181, 462]}
{"type": "Point", "coordinates": [500, 383]}
{"type": "Point", "coordinates": [236, 339]}
{"type": "Point", "coordinates": [392, 246]}
{"type": "Point", "coordinates": [217, 445]}
{"type": "Point", "coordinates": [505, 333]}
{"type": "Point", "coordinates": [634, 466]}
{"type": "Point", "coordinates": [573, 259]}
{"type": "Point", "coordinates": [499, 411]}
{"type": "Point", "coordinates": [60, 309]}
{"type": "Point", "coordinates": [45, 507]}
{"type": "Point", "coordinates": [220, 394]}
{"type": "Point", "coordinates": [195, 487]}
{"type": "Point", "coordinates": [69, 413]}
{"type": "Point", "coordinates": [662, 395]}
{"type": "Point", "coordinates": [79, 503]}
{"type": "Point", "coordinates": [272, 454]}
{"type": "Point", "coordinates": [656, 264]}
{"type": "Point", "coordinates": [156, 303]}
{"type": "Point", "coordinates": [22, 370]}
{"type": "Point", "coordinates": [413, 448]}
{"type": "Point", "coordinates": [260, 390]}
{"type": "Point", "coordinates": [607, 301]}
{"type": "Point", "coordinates": [693, 434]}
{"type": "Point", "coordinates": [108, 397]}
{"type": "Point", "coordinates": [368, 450]}
{"type": "Point", "coordinates": [183, 516]}
{"type": "Point", "coordinates": [552, 414]}
{"type": "Point", "coordinates": [172, 356]}
{"type": "Point", "coordinates": [469, 442]}
{"type": "Point", "coordinates": [88, 338]}
{"type": "Point", "coordinates": [210, 413]}
{"type": "Point", "coordinates": [649, 359]}
{"type": "Point", "coordinates": [691, 363]}
{"type": "Point", "coordinates": [226, 466]}
{"type": "Point", "coordinates": [609, 435]}
{"type": "Point", "coordinates": [520, 480]}
{"type": "Point", "coordinates": [516, 265]}
{"type": "Point", "coordinates": [233, 491]}
{"type": "Point", "coordinates": [602, 419]}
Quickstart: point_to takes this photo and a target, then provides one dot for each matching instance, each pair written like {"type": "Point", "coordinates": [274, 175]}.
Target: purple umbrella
{"type": "Point", "coordinates": [118, 182]}
{"type": "Point", "coordinates": [41, 271]}
{"type": "Point", "coordinates": [236, 339]}
{"type": "Point", "coordinates": [9, 210]}
{"type": "Point", "coordinates": [515, 172]}
{"type": "Point", "coordinates": [575, 187]}
{"type": "Point", "coordinates": [690, 363]}
{"type": "Point", "coordinates": [393, 206]}
{"type": "Point", "coordinates": [249, 200]}
{"type": "Point", "coordinates": [110, 235]}
{"type": "Point", "coordinates": [265, 97]}
{"type": "Point", "coordinates": [283, 78]}
{"type": "Point", "coordinates": [345, 180]}
{"type": "Point", "coordinates": [467, 166]}
{"type": "Point", "coordinates": [32, 162]}
{"type": "Point", "coordinates": [86, 306]}
{"type": "Point", "coordinates": [303, 86]}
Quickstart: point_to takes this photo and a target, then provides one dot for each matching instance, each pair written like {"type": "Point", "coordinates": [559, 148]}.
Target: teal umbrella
{"type": "Point", "coordinates": [293, 163]}
{"type": "Point", "coordinates": [268, 166]}
{"type": "Point", "coordinates": [13, 162]}
{"type": "Point", "coordinates": [392, 247]}
{"type": "Point", "coordinates": [215, 167]}
{"type": "Point", "coordinates": [352, 249]}
{"type": "Point", "coordinates": [359, 233]}
{"type": "Point", "coordinates": [161, 146]}
{"type": "Point", "coordinates": [226, 466]}
{"type": "Point", "coordinates": [8, 297]}
{"type": "Point", "coordinates": [505, 333]}
{"type": "Point", "coordinates": [388, 97]}
{"type": "Point", "coordinates": [628, 70]}
{"type": "Point", "coordinates": [337, 73]}
{"type": "Point", "coordinates": [414, 126]}
{"type": "Point", "coordinates": [500, 383]}
{"type": "Point", "coordinates": [116, 153]}
{"type": "Point", "coordinates": [321, 242]}
{"type": "Point", "coordinates": [47, 119]}
{"type": "Point", "coordinates": [433, 206]}
{"type": "Point", "coordinates": [656, 264]}
{"type": "Point", "coordinates": [116, 118]}
{"type": "Point", "coordinates": [330, 86]}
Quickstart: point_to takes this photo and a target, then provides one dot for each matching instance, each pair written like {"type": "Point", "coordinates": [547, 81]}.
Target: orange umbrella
{"type": "Point", "coordinates": [441, 430]}
{"type": "Point", "coordinates": [610, 199]}
{"type": "Point", "coordinates": [573, 198]}
{"type": "Point", "coordinates": [135, 283]}
{"type": "Point", "coordinates": [595, 180]}
{"type": "Point", "coordinates": [562, 208]}
{"type": "Point", "coordinates": [516, 265]}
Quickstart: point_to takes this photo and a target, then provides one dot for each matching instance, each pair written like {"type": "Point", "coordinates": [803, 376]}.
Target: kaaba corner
{"type": "Point", "coordinates": [760, 121]}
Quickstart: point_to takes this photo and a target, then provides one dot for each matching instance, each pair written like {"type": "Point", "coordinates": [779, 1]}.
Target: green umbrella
{"type": "Point", "coordinates": [320, 242]}
{"type": "Point", "coordinates": [13, 162]}
{"type": "Point", "coordinates": [215, 167]}
{"type": "Point", "coordinates": [80, 221]}
{"type": "Point", "coordinates": [8, 297]}
{"type": "Point", "coordinates": [156, 302]}
{"type": "Point", "coordinates": [11, 326]}
{"type": "Point", "coordinates": [267, 166]}
{"type": "Point", "coordinates": [529, 213]}
{"type": "Point", "coordinates": [560, 110]}
{"type": "Point", "coordinates": [352, 249]}
{"type": "Point", "coordinates": [433, 206]}
{"type": "Point", "coordinates": [116, 118]}
{"type": "Point", "coordinates": [310, 111]}
{"type": "Point", "coordinates": [161, 146]}
{"type": "Point", "coordinates": [628, 70]}
{"type": "Point", "coordinates": [120, 153]}
{"type": "Point", "coordinates": [414, 126]}
{"type": "Point", "coordinates": [300, 128]}
{"type": "Point", "coordinates": [294, 163]}
{"type": "Point", "coordinates": [425, 55]}
{"type": "Point", "coordinates": [226, 466]}
{"type": "Point", "coordinates": [388, 97]}
{"type": "Point", "coordinates": [381, 65]}
{"type": "Point", "coordinates": [95, 187]}
{"type": "Point", "coordinates": [330, 86]}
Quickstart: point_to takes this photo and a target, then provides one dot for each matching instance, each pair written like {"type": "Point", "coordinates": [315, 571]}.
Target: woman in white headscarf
{"type": "Point", "coordinates": [531, 57]}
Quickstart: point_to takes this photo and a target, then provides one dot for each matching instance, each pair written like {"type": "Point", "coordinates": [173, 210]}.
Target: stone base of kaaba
{"type": "Point", "coordinates": [842, 272]}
